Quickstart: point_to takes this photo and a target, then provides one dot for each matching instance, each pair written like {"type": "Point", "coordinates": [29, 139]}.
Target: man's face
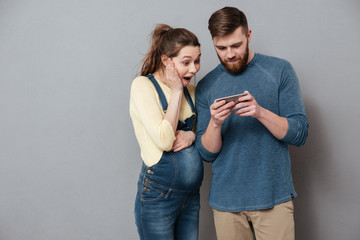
{"type": "Point", "coordinates": [233, 50]}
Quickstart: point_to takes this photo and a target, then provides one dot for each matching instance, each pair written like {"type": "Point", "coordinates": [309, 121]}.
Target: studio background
{"type": "Point", "coordinates": [69, 160]}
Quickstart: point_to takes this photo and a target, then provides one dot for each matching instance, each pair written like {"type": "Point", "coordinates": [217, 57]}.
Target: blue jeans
{"type": "Point", "coordinates": [168, 202]}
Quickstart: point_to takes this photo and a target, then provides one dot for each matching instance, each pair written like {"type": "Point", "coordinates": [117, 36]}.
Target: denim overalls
{"type": "Point", "coordinates": [168, 202]}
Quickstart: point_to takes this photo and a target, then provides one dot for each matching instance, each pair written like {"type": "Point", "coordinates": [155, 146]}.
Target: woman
{"type": "Point", "coordinates": [163, 115]}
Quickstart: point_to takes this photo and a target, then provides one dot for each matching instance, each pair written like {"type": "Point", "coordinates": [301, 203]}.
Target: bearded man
{"type": "Point", "coordinates": [247, 140]}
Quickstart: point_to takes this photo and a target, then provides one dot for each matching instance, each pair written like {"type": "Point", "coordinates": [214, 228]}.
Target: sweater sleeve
{"type": "Point", "coordinates": [143, 97]}
{"type": "Point", "coordinates": [292, 107]}
{"type": "Point", "coordinates": [203, 114]}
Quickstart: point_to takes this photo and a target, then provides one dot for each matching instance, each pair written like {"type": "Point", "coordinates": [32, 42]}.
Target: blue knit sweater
{"type": "Point", "coordinates": [252, 170]}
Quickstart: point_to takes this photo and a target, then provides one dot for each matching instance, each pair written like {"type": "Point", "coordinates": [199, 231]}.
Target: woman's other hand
{"type": "Point", "coordinates": [183, 140]}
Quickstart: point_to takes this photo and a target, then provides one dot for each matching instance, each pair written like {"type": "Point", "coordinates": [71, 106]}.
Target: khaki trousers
{"type": "Point", "coordinates": [276, 223]}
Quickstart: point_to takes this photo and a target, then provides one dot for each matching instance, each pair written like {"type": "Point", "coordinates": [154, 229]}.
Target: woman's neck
{"type": "Point", "coordinates": [160, 76]}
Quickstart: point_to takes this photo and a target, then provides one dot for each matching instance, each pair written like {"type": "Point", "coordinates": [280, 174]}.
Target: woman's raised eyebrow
{"type": "Point", "coordinates": [191, 56]}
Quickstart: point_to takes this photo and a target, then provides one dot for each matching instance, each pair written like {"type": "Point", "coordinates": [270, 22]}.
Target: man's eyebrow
{"type": "Point", "coordinates": [237, 43]}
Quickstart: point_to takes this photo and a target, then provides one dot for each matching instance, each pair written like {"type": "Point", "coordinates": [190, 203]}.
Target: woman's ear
{"type": "Point", "coordinates": [164, 59]}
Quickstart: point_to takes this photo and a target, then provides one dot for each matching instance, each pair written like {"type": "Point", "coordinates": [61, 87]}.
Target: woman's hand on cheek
{"type": "Point", "coordinates": [172, 76]}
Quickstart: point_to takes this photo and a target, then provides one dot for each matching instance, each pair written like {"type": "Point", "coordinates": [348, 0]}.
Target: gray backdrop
{"type": "Point", "coordinates": [69, 160]}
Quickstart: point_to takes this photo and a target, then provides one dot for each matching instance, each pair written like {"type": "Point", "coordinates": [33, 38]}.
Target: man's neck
{"type": "Point", "coordinates": [250, 57]}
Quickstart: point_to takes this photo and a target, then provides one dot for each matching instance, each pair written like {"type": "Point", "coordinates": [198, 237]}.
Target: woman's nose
{"type": "Point", "coordinates": [193, 68]}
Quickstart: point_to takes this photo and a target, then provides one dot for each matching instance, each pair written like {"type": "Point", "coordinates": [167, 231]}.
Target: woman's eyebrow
{"type": "Point", "coordinates": [191, 56]}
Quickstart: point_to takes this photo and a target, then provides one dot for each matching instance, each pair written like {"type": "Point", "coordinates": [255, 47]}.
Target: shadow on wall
{"type": "Point", "coordinates": [307, 165]}
{"type": "Point", "coordinates": [207, 227]}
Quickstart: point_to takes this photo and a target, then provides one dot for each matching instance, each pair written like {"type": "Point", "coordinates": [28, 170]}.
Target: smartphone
{"type": "Point", "coordinates": [232, 98]}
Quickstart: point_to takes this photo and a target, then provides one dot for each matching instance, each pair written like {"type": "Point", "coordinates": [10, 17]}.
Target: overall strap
{"type": "Point", "coordinates": [162, 97]}
{"type": "Point", "coordinates": [189, 100]}
{"type": "Point", "coordinates": [160, 92]}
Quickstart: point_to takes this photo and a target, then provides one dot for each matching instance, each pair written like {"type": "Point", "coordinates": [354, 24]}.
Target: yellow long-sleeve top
{"type": "Point", "coordinates": [153, 133]}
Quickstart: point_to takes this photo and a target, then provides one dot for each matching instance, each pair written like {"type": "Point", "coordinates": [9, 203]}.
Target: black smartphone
{"type": "Point", "coordinates": [232, 98]}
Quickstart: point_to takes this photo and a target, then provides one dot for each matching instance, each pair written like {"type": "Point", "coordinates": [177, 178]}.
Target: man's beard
{"type": "Point", "coordinates": [238, 67]}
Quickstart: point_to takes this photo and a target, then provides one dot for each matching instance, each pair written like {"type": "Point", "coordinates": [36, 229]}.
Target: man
{"type": "Point", "coordinates": [247, 142]}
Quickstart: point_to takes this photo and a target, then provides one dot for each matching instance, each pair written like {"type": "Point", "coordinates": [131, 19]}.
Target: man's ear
{"type": "Point", "coordinates": [249, 35]}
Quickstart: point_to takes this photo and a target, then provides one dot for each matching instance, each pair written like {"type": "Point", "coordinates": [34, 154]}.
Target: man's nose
{"type": "Point", "coordinates": [230, 53]}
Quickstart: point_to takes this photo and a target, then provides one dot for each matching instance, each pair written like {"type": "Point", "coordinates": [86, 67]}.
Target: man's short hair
{"type": "Point", "coordinates": [226, 20]}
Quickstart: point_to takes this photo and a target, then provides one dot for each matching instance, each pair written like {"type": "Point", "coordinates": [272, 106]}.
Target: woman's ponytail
{"type": "Point", "coordinates": [152, 59]}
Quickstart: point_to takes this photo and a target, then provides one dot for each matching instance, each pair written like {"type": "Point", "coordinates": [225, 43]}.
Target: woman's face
{"type": "Point", "coordinates": [187, 63]}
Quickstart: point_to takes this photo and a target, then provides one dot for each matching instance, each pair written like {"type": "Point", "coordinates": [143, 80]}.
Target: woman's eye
{"type": "Point", "coordinates": [186, 63]}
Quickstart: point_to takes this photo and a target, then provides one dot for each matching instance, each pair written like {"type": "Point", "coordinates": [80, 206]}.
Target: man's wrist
{"type": "Point", "coordinates": [261, 112]}
{"type": "Point", "coordinates": [214, 124]}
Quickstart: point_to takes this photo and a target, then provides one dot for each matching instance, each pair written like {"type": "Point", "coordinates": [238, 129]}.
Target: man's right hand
{"type": "Point", "coordinates": [219, 111]}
